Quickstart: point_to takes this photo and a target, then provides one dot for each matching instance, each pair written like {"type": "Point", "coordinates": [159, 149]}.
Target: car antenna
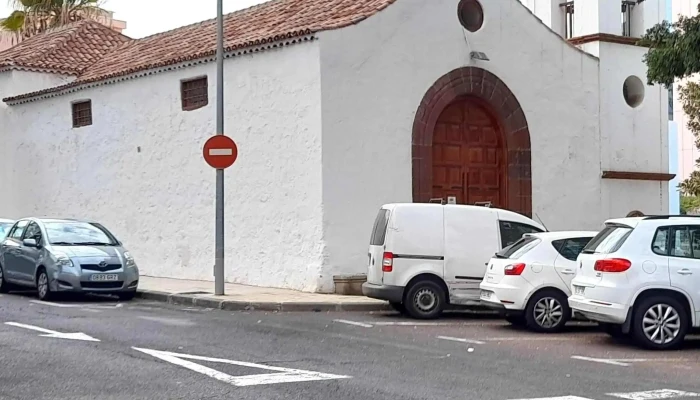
{"type": "Point", "coordinates": [541, 222]}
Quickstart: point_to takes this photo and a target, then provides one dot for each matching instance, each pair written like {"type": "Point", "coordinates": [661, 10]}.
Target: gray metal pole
{"type": "Point", "coordinates": [219, 250]}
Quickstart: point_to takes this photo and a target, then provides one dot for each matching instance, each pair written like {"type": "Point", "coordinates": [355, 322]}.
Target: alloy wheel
{"type": "Point", "coordinates": [661, 323]}
{"type": "Point", "coordinates": [43, 285]}
{"type": "Point", "coordinates": [548, 312]}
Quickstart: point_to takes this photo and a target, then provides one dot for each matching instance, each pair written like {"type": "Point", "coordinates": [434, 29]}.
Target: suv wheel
{"type": "Point", "coordinates": [659, 323]}
{"type": "Point", "coordinates": [614, 330]}
{"type": "Point", "coordinates": [547, 311]}
{"type": "Point", "coordinates": [4, 286]}
{"type": "Point", "coordinates": [425, 300]}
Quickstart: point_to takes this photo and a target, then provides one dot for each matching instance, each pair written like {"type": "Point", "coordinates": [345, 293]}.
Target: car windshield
{"type": "Point", "coordinates": [4, 228]}
{"type": "Point", "coordinates": [78, 233]}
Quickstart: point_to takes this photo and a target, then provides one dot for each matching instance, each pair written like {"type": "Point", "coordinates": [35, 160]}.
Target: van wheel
{"type": "Point", "coordinates": [425, 300]}
{"type": "Point", "coordinates": [660, 323]}
{"type": "Point", "coordinates": [547, 311]}
{"type": "Point", "coordinates": [398, 307]}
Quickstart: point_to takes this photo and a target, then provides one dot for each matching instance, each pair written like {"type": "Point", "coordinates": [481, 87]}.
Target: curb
{"type": "Point", "coordinates": [232, 305]}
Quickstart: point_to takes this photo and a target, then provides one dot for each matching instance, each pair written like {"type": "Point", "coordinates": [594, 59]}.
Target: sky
{"type": "Point", "coordinates": [146, 17]}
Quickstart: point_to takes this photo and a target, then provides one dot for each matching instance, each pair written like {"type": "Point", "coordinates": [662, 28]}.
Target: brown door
{"type": "Point", "coordinates": [468, 155]}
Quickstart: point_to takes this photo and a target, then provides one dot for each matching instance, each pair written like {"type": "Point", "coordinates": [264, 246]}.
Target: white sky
{"type": "Point", "coordinates": [146, 17]}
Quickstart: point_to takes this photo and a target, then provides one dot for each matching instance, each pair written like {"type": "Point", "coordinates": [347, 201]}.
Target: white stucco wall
{"type": "Point", "coordinates": [374, 76]}
{"type": "Point", "coordinates": [139, 168]}
{"type": "Point", "coordinates": [633, 139]}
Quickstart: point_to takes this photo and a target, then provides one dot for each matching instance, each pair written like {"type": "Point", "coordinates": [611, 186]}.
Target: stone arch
{"type": "Point", "coordinates": [490, 90]}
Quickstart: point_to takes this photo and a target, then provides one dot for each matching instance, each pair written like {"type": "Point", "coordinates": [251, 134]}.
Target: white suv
{"type": "Point", "coordinates": [642, 276]}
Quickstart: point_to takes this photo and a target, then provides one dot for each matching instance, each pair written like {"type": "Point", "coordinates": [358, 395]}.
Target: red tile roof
{"type": "Point", "coordinates": [264, 23]}
{"type": "Point", "coordinates": [69, 49]}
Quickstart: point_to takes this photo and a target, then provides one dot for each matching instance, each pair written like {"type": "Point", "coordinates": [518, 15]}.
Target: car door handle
{"type": "Point", "coordinates": [685, 271]}
{"type": "Point", "coordinates": [568, 271]}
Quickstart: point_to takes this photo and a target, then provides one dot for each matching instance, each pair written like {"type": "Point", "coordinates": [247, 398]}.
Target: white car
{"type": "Point", "coordinates": [529, 281]}
{"type": "Point", "coordinates": [641, 276]}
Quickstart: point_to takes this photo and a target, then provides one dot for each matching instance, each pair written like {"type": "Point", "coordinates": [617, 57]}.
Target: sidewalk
{"type": "Point", "coordinates": [248, 298]}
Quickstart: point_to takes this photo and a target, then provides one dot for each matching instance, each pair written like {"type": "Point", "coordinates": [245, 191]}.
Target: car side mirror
{"type": "Point", "coordinates": [30, 243]}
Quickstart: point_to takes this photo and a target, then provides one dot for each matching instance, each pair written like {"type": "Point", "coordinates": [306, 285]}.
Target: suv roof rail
{"type": "Point", "coordinates": [670, 216]}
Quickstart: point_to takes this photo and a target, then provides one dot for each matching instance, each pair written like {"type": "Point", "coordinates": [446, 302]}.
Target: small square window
{"type": "Point", "coordinates": [194, 93]}
{"type": "Point", "coordinates": [82, 113]}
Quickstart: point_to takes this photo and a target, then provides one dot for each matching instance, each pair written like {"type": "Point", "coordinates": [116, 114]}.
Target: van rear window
{"type": "Point", "coordinates": [379, 230]}
{"type": "Point", "coordinates": [607, 241]}
{"type": "Point", "coordinates": [519, 248]}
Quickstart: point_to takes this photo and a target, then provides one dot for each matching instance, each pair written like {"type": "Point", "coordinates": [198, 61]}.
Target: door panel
{"type": "Point", "coordinates": [468, 155]}
{"type": "Point", "coordinates": [471, 239]}
{"type": "Point", "coordinates": [684, 261]}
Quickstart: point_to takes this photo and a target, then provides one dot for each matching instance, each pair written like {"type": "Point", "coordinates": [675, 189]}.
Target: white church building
{"type": "Point", "coordinates": [337, 107]}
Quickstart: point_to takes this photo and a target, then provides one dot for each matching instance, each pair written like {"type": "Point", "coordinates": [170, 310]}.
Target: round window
{"type": "Point", "coordinates": [471, 15]}
{"type": "Point", "coordinates": [633, 91]}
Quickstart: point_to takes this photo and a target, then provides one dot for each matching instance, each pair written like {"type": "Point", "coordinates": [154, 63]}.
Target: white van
{"type": "Point", "coordinates": [425, 256]}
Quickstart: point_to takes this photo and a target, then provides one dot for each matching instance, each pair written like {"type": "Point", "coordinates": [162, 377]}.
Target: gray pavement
{"type": "Point", "coordinates": [151, 350]}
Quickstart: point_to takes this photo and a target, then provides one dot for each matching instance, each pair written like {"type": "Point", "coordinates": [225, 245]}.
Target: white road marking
{"type": "Point", "coordinates": [410, 323]}
{"type": "Point", "coordinates": [559, 398]}
{"type": "Point", "coordinates": [654, 394]}
{"type": "Point", "coordinates": [601, 360]}
{"type": "Point", "coordinates": [462, 340]}
{"type": "Point", "coordinates": [53, 334]}
{"type": "Point", "coordinates": [345, 321]}
{"type": "Point", "coordinates": [78, 305]}
{"type": "Point", "coordinates": [283, 375]}
{"type": "Point", "coordinates": [220, 152]}
{"type": "Point", "coordinates": [168, 321]}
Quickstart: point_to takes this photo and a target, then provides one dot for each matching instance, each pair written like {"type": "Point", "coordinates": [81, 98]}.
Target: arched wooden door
{"type": "Point", "coordinates": [468, 155]}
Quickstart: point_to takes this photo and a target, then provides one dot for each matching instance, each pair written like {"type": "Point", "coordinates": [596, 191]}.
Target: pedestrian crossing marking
{"type": "Point", "coordinates": [655, 394]}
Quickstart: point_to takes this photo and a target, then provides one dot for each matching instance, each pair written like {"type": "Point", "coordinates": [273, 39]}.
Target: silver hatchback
{"type": "Point", "coordinates": [63, 255]}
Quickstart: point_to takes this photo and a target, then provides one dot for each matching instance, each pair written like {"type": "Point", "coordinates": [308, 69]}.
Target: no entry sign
{"type": "Point", "coordinates": [220, 152]}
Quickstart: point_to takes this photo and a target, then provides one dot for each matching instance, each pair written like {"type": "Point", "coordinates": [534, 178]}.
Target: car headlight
{"type": "Point", "coordinates": [130, 263]}
{"type": "Point", "coordinates": [64, 261]}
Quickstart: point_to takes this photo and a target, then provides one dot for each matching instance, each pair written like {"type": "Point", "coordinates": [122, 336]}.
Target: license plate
{"type": "Point", "coordinates": [104, 277]}
{"type": "Point", "coordinates": [578, 290]}
{"type": "Point", "coordinates": [485, 295]}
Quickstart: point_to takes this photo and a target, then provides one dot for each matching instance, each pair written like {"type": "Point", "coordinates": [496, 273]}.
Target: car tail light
{"type": "Point", "coordinates": [388, 262]}
{"type": "Point", "coordinates": [612, 265]}
{"type": "Point", "coordinates": [514, 269]}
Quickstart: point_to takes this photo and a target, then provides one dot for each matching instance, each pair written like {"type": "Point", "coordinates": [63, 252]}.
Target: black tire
{"type": "Point", "coordinates": [4, 285]}
{"type": "Point", "coordinates": [554, 302]}
{"type": "Point", "coordinates": [398, 307]}
{"type": "Point", "coordinates": [662, 302]}
{"type": "Point", "coordinates": [517, 320]}
{"type": "Point", "coordinates": [126, 296]}
{"type": "Point", "coordinates": [42, 277]}
{"type": "Point", "coordinates": [425, 300]}
{"type": "Point", "coordinates": [614, 330]}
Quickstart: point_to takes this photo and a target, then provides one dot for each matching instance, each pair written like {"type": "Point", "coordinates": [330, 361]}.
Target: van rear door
{"type": "Point", "coordinates": [375, 275]}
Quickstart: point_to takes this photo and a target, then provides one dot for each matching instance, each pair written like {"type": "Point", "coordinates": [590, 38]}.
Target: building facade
{"type": "Point", "coordinates": [338, 107]}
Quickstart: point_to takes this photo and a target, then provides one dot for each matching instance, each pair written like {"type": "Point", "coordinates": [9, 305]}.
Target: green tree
{"type": "Point", "coordinates": [674, 53]}
{"type": "Point", "coordinates": [31, 17]}
{"type": "Point", "coordinates": [689, 203]}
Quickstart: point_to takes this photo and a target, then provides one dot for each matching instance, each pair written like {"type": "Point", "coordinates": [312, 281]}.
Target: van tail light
{"type": "Point", "coordinates": [388, 262]}
{"type": "Point", "coordinates": [612, 265]}
{"type": "Point", "coordinates": [514, 269]}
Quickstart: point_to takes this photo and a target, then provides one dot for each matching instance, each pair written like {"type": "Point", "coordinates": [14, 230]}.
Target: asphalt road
{"type": "Point", "coordinates": [150, 350]}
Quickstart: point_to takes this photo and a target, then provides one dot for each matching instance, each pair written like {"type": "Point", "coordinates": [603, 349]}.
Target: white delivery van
{"type": "Point", "coordinates": [425, 256]}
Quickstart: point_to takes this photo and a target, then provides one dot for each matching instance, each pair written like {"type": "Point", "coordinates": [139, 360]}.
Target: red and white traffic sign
{"type": "Point", "coordinates": [220, 152]}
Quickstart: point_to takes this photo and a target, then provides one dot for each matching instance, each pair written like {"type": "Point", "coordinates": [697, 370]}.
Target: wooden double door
{"type": "Point", "coordinates": [468, 155]}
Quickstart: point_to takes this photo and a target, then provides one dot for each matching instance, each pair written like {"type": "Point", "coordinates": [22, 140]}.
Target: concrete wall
{"type": "Point", "coordinates": [139, 168]}
{"type": "Point", "coordinates": [375, 74]}
{"type": "Point", "coordinates": [632, 139]}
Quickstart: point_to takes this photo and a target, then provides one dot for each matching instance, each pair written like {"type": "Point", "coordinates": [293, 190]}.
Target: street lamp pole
{"type": "Point", "coordinates": [219, 246]}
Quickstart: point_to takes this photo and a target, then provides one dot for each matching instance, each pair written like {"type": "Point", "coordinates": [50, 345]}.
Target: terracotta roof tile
{"type": "Point", "coordinates": [69, 49]}
{"type": "Point", "coordinates": [266, 22]}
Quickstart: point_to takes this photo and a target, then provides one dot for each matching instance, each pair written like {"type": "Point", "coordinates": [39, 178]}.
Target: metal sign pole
{"type": "Point", "coordinates": [219, 249]}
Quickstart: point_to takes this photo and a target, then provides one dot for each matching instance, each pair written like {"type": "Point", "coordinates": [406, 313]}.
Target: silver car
{"type": "Point", "coordinates": [64, 255]}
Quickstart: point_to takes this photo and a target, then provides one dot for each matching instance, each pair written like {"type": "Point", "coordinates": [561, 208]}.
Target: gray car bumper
{"type": "Point", "coordinates": [127, 281]}
{"type": "Point", "coordinates": [393, 294]}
